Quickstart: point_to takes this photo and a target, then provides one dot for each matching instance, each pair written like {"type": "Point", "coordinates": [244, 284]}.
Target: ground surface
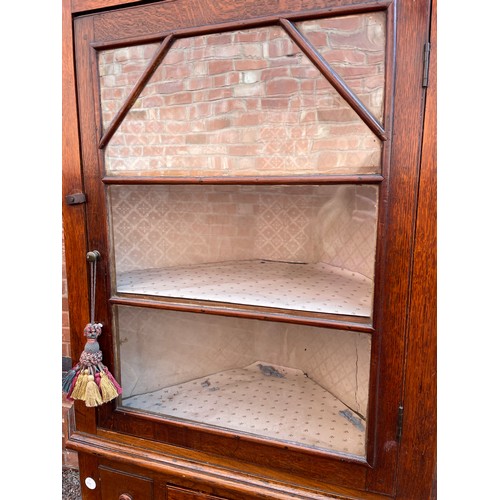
{"type": "Point", "coordinates": [71, 485]}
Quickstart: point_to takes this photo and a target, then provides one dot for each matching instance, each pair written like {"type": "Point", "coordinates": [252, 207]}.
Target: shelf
{"type": "Point", "coordinates": [317, 288]}
{"type": "Point", "coordinates": [152, 177]}
{"type": "Point", "coordinates": [264, 400]}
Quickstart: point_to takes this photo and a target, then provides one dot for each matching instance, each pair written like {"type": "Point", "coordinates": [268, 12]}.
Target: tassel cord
{"type": "Point", "coordinates": [93, 281]}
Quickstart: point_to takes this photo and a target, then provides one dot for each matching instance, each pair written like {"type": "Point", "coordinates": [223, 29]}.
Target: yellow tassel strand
{"type": "Point", "coordinates": [80, 386]}
{"type": "Point", "coordinates": [108, 390]}
{"type": "Point", "coordinates": [92, 394]}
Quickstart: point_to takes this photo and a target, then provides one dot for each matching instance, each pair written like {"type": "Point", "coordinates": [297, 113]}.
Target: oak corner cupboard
{"type": "Point", "coordinates": [258, 179]}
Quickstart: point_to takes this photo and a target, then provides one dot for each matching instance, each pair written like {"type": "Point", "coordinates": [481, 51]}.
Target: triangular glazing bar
{"type": "Point", "coordinates": [136, 91]}
{"type": "Point", "coordinates": [333, 78]}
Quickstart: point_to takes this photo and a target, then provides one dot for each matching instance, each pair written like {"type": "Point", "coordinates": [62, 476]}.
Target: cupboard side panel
{"type": "Point", "coordinates": [74, 216]}
{"type": "Point", "coordinates": [96, 218]}
{"type": "Point", "coordinates": [400, 195]}
{"type": "Point", "coordinates": [418, 447]}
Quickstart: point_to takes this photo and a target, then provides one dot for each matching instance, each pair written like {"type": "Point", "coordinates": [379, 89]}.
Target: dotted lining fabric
{"type": "Point", "coordinates": [297, 286]}
{"type": "Point", "coordinates": [270, 401]}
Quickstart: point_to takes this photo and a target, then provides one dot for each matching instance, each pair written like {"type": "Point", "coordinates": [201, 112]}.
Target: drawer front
{"type": "Point", "coordinates": [117, 485]}
{"type": "Point", "coordinates": [181, 494]}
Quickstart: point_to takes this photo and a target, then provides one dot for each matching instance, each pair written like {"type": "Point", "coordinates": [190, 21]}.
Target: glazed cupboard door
{"type": "Point", "coordinates": [250, 170]}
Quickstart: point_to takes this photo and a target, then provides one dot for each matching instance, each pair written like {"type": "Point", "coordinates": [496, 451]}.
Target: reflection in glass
{"type": "Point", "coordinates": [247, 102]}
{"type": "Point", "coordinates": [119, 70]}
{"type": "Point", "coordinates": [354, 46]}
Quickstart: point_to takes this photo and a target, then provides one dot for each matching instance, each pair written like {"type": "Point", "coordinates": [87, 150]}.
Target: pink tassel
{"type": "Point", "coordinates": [115, 383]}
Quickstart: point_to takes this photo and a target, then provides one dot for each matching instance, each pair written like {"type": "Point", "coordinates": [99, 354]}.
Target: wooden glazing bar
{"type": "Point", "coordinates": [136, 91]}
{"type": "Point", "coordinates": [204, 16]}
{"type": "Point", "coordinates": [129, 42]}
{"type": "Point", "coordinates": [240, 24]}
{"type": "Point", "coordinates": [334, 79]}
{"type": "Point", "coordinates": [277, 180]}
{"type": "Point", "coordinates": [350, 323]}
{"type": "Point", "coordinates": [276, 19]}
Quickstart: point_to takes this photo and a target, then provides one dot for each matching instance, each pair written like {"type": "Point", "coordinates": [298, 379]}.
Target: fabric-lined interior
{"type": "Point", "coordinates": [298, 286]}
{"type": "Point", "coordinates": [306, 248]}
{"type": "Point", "coordinates": [265, 400]}
{"type": "Point", "coordinates": [159, 348]}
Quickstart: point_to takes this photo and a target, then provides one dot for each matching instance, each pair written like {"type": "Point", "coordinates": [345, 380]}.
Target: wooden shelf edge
{"type": "Point", "coordinates": [265, 441]}
{"type": "Point", "coordinates": [361, 325]}
{"type": "Point", "coordinates": [235, 481]}
{"type": "Point", "coordinates": [148, 178]}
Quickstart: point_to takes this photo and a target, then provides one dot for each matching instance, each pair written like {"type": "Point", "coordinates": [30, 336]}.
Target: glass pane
{"type": "Point", "coordinates": [237, 104]}
{"type": "Point", "coordinates": [306, 247]}
{"type": "Point", "coordinates": [292, 383]}
{"type": "Point", "coordinates": [119, 71]}
{"type": "Point", "coordinates": [354, 46]}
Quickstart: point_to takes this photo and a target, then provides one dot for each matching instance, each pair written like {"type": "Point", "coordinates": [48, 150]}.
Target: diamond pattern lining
{"type": "Point", "coordinates": [303, 287]}
{"type": "Point", "coordinates": [271, 401]}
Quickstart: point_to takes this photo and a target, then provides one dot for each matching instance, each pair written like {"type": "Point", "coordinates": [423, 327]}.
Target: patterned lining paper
{"type": "Point", "coordinates": [264, 400]}
{"type": "Point", "coordinates": [296, 286]}
{"type": "Point", "coordinates": [164, 226]}
{"type": "Point", "coordinates": [160, 348]}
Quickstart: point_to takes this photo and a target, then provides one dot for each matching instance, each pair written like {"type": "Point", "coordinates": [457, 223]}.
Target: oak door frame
{"type": "Point", "coordinates": [422, 294]}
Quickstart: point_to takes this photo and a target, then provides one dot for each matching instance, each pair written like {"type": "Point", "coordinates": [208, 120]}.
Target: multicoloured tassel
{"type": "Point", "coordinates": [92, 394]}
{"type": "Point", "coordinates": [69, 378]}
{"type": "Point", "coordinates": [113, 381]}
{"type": "Point", "coordinates": [108, 390]}
{"type": "Point", "coordinates": [90, 380]}
{"type": "Point", "coordinates": [81, 383]}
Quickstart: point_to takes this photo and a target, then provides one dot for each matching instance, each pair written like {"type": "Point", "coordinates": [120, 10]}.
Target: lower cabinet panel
{"type": "Point", "coordinates": [121, 477]}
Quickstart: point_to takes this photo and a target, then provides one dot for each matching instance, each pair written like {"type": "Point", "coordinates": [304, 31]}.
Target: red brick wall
{"type": "Point", "coordinates": [248, 103]}
{"type": "Point", "coordinates": [66, 347]}
{"type": "Point", "coordinates": [69, 458]}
